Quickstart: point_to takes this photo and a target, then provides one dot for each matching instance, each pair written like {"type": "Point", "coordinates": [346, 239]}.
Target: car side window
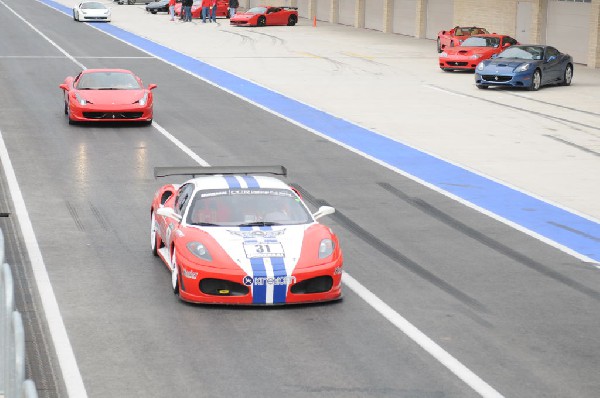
{"type": "Point", "coordinates": [183, 197]}
{"type": "Point", "coordinates": [551, 51]}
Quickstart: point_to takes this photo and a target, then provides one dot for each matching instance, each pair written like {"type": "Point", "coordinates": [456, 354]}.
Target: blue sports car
{"type": "Point", "coordinates": [528, 66]}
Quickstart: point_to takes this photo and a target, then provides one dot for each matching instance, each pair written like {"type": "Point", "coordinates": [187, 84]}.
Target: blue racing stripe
{"type": "Point", "coordinates": [577, 233]}
{"type": "Point", "coordinates": [232, 182]}
{"type": "Point", "coordinates": [251, 182]}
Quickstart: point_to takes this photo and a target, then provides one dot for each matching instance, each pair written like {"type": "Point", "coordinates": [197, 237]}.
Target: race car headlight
{"type": "Point", "coordinates": [199, 250]}
{"type": "Point", "coordinates": [480, 66]}
{"type": "Point", "coordinates": [523, 67]}
{"type": "Point", "coordinates": [326, 248]}
{"type": "Point", "coordinates": [144, 99]}
{"type": "Point", "coordinates": [443, 54]}
{"type": "Point", "coordinates": [475, 56]}
{"type": "Point", "coordinates": [80, 99]}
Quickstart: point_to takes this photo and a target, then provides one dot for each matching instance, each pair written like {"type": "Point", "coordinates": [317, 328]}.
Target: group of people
{"type": "Point", "coordinates": [209, 9]}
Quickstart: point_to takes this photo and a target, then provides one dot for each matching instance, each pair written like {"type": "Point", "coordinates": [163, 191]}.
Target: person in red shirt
{"type": "Point", "coordinates": [206, 4]}
{"type": "Point", "coordinates": [172, 9]}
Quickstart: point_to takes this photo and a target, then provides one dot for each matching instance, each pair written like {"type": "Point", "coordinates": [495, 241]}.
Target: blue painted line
{"type": "Point", "coordinates": [567, 229]}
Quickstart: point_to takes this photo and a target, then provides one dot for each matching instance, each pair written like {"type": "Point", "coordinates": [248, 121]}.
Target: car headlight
{"type": "Point", "coordinates": [480, 66]}
{"type": "Point", "coordinates": [475, 56]}
{"type": "Point", "coordinates": [523, 67]}
{"type": "Point", "coordinates": [199, 250]}
{"type": "Point", "coordinates": [326, 248]}
{"type": "Point", "coordinates": [144, 99]}
{"type": "Point", "coordinates": [443, 54]}
{"type": "Point", "coordinates": [80, 99]}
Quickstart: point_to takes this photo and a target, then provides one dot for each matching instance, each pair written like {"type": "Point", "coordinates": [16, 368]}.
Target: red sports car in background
{"type": "Point", "coordinates": [107, 95]}
{"type": "Point", "coordinates": [222, 9]}
{"type": "Point", "coordinates": [455, 36]}
{"type": "Point", "coordinates": [474, 50]}
{"type": "Point", "coordinates": [266, 15]}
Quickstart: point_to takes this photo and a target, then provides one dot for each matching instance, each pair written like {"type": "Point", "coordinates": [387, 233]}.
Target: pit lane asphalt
{"type": "Point", "coordinates": [504, 304]}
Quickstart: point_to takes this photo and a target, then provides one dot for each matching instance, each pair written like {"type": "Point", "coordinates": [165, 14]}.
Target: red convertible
{"type": "Point", "coordinates": [107, 95]}
{"type": "Point", "coordinates": [455, 36]}
{"type": "Point", "coordinates": [474, 50]}
{"type": "Point", "coordinates": [266, 15]}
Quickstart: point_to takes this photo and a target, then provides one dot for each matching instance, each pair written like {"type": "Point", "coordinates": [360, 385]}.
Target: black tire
{"type": "Point", "coordinates": [439, 46]}
{"type": "Point", "coordinates": [74, 19]}
{"type": "Point", "coordinates": [567, 75]}
{"type": "Point", "coordinates": [536, 80]}
{"type": "Point", "coordinates": [153, 11]}
{"type": "Point", "coordinates": [292, 20]}
{"type": "Point", "coordinates": [71, 121]}
{"type": "Point", "coordinates": [153, 237]}
{"type": "Point", "coordinates": [175, 283]}
{"type": "Point", "coordinates": [262, 21]}
{"type": "Point", "coordinates": [66, 109]}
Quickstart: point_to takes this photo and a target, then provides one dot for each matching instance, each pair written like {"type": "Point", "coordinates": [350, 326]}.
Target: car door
{"type": "Point", "coordinates": [551, 67]}
{"type": "Point", "coordinates": [180, 203]}
{"type": "Point", "coordinates": [274, 16]}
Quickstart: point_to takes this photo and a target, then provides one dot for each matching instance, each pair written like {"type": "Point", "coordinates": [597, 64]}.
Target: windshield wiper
{"type": "Point", "coordinates": [206, 224]}
{"type": "Point", "coordinates": [259, 224]}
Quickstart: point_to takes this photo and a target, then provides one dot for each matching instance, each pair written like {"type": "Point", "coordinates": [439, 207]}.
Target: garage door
{"type": "Point", "coordinates": [440, 16]}
{"type": "Point", "coordinates": [374, 14]}
{"type": "Point", "coordinates": [346, 10]}
{"type": "Point", "coordinates": [405, 17]}
{"type": "Point", "coordinates": [323, 10]}
{"type": "Point", "coordinates": [567, 27]}
{"type": "Point", "coordinates": [303, 9]}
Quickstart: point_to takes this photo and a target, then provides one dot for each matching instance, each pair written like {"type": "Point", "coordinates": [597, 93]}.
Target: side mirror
{"type": "Point", "coordinates": [168, 212]}
{"type": "Point", "coordinates": [551, 58]}
{"type": "Point", "coordinates": [506, 45]}
{"type": "Point", "coordinates": [323, 211]}
{"type": "Point", "coordinates": [64, 87]}
{"type": "Point", "coordinates": [152, 86]}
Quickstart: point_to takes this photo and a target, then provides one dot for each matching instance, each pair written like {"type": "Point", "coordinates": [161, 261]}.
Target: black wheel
{"type": "Point", "coordinates": [568, 75]}
{"type": "Point", "coordinates": [262, 21]}
{"type": "Point", "coordinates": [66, 109]}
{"type": "Point", "coordinates": [71, 121]}
{"type": "Point", "coordinates": [175, 275]}
{"type": "Point", "coordinates": [153, 11]}
{"type": "Point", "coordinates": [439, 45]}
{"type": "Point", "coordinates": [292, 20]}
{"type": "Point", "coordinates": [153, 236]}
{"type": "Point", "coordinates": [536, 81]}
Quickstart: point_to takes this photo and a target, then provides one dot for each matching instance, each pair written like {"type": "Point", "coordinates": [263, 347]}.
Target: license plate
{"type": "Point", "coordinates": [258, 250]}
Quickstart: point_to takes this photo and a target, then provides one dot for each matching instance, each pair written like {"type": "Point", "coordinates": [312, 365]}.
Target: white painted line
{"type": "Point", "coordinates": [60, 339]}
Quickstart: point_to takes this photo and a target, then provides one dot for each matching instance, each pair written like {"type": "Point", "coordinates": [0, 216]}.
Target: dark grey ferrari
{"type": "Point", "coordinates": [525, 66]}
{"type": "Point", "coordinates": [158, 6]}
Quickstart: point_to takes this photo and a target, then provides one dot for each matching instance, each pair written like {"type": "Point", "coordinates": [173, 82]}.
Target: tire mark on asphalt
{"type": "Point", "coordinates": [556, 118]}
{"type": "Point", "coordinates": [552, 104]}
{"type": "Point", "coordinates": [572, 144]}
{"type": "Point", "coordinates": [395, 255]}
{"type": "Point", "coordinates": [491, 243]}
{"type": "Point", "coordinates": [75, 215]}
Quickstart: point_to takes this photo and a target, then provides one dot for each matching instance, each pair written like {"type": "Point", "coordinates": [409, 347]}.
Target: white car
{"type": "Point", "coordinates": [91, 11]}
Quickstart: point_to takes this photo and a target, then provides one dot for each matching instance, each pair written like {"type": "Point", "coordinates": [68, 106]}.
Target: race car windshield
{"type": "Point", "coordinates": [108, 81]}
{"type": "Point", "coordinates": [523, 52]}
{"type": "Point", "coordinates": [481, 42]}
{"type": "Point", "coordinates": [257, 10]}
{"type": "Point", "coordinates": [247, 207]}
{"type": "Point", "coordinates": [93, 6]}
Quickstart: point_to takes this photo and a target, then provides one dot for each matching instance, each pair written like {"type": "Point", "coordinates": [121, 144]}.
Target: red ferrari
{"type": "Point", "coordinates": [266, 15]}
{"type": "Point", "coordinates": [474, 50]}
{"type": "Point", "coordinates": [455, 36]}
{"type": "Point", "coordinates": [107, 95]}
{"type": "Point", "coordinates": [232, 236]}
{"type": "Point", "coordinates": [222, 9]}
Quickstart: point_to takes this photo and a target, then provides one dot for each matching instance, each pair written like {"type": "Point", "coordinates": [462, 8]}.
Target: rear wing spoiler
{"type": "Point", "coordinates": [218, 170]}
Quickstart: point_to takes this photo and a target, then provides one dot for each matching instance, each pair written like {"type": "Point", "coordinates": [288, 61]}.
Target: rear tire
{"type": "Point", "coordinates": [262, 21]}
{"type": "Point", "coordinates": [292, 20]}
{"type": "Point", "coordinates": [153, 11]}
{"type": "Point", "coordinates": [568, 75]}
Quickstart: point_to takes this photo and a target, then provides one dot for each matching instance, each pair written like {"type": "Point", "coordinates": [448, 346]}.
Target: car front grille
{"type": "Point", "coordinates": [495, 78]}
{"type": "Point", "coordinates": [320, 284]}
{"type": "Point", "coordinates": [222, 287]}
{"type": "Point", "coordinates": [458, 63]}
{"type": "Point", "coordinates": [112, 115]}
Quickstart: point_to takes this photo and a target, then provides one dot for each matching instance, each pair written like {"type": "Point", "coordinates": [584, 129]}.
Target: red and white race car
{"type": "Point", "coordinates": [455, 36]}
{"type": "Point", "coordinates": [474, 50]}
{"type": "Point", "coordinates": [232, 236]}
{"type": "Point", "coordinates": [107, 95]}
{"type": "Point", "coordinates": [266, 15]}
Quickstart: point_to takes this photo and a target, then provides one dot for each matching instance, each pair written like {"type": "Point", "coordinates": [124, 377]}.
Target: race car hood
{"type": "Point", "coordinates": [503, 66]}
{"type": "Point", "coordinates": [467, 51]}
{"type": "Point", "coordinates": [242, 16]}
{"type": "Point", "coordinates": [103, 97]}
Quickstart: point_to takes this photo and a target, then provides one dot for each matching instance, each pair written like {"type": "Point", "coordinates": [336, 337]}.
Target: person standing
{"type": "Point", "coordinates": [187, 8]}
{"type": "Point", "coordinates": [172, 9]}
{"type": "Point", "coordinates": [206, 9]}
{"type": "Point", "coordinates": [213, 11]}
{"type": "Point", "coordinates": [233, 5]}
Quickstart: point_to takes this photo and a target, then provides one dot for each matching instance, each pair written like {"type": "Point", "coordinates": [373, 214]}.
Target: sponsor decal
{"type": "Point", "coordinates": [258, 233]}
{"type": "Point", "coordinates": [263, 280]}
{"type": "Point", "coordinates": [189, 274]}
